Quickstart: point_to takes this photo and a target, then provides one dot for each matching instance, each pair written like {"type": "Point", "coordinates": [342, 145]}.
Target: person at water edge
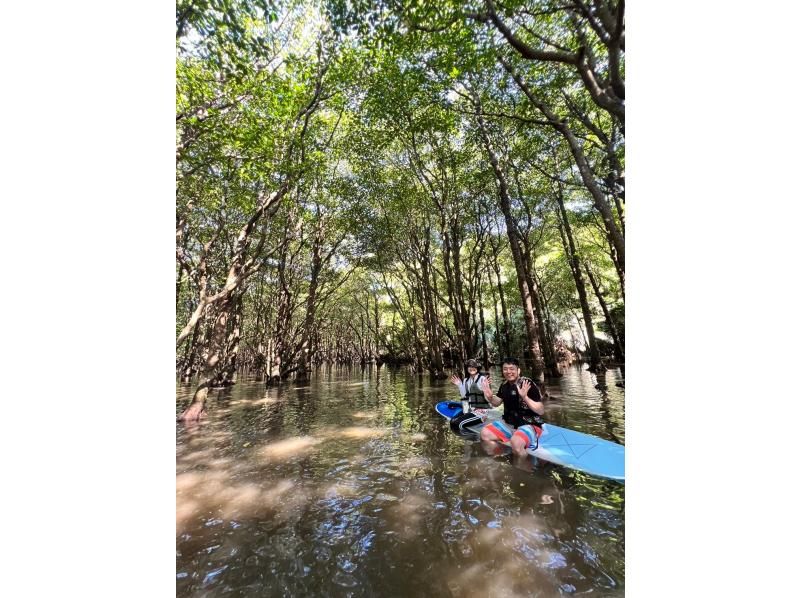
{"type": "Point", "coordinates": [522, 410]}
{"type": "Point", "coordinates": [471, 387]}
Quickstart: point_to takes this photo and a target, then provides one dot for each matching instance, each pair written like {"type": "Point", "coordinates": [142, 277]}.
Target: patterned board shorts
{"type": "Point", "coordinates": [504, 432]}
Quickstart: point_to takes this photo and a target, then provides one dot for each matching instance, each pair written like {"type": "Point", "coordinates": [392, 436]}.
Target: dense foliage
{"type": "Point", "coordinates": [402, 181]}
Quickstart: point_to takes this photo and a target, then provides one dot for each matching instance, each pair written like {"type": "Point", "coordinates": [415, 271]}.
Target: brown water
{"type": "Point", "coordinates": [353, 486]}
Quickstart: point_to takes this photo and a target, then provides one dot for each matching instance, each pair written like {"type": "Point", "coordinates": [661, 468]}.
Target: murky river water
{"type": "Point", "coordinates": [353, 486]}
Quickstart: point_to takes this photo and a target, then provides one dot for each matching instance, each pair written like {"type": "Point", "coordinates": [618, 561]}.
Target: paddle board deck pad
{"type": "Point", "coordinates": [582, 452]}
{"type": "Point", "coordinates": [562, 446]}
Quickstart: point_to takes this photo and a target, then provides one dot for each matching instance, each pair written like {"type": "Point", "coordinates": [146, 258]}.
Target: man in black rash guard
{"type": "Point", "coordinates": [522, 411]}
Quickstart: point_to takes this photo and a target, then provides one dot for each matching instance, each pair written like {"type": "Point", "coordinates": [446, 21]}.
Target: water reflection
{"type": "Point", "coordinates": [352, 486]}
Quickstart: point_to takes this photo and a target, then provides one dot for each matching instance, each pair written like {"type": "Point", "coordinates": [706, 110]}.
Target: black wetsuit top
{"type": "Point", "coordinates": [515, 410]}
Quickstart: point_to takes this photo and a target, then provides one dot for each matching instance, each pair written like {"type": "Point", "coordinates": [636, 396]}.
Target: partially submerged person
{"type": "Point", "coordinates": [522, 411]}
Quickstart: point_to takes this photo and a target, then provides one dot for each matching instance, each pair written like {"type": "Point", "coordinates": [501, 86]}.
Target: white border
{"type": "Point", "coordinates": [711, 408]}
{"type": "Point", "coordinates": [87, 250]}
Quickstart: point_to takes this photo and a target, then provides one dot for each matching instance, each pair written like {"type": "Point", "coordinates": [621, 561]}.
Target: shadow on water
{"type": "Point", "coordinates": [351, 485]}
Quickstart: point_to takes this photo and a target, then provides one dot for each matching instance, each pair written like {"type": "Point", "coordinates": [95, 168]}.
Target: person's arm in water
{"type": "Point", "coordinates": [494, 400]}
{"type": "Point", "coordinates": [534, 404]}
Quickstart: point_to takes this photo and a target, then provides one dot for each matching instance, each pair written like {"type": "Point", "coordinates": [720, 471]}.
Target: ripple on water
{"type": "Point", "coordinates": [388, 498]}
{"type": "Point", "coordinates": [454, 535]}
{"type": "Point", "coordinates": [345, 580]}
{"type": "Point", "coordinates": [213, 575]}
{"type": "Point", "coordinates": [567, 588]}
{"type": "Point", "coordinates": [322, 554]}
{"type": "Point", "coordinates": [555, 560]}
{"type": "Point", "coordinates": [364, 543]}
{"type": "Point", "coordinates": [344, 563]}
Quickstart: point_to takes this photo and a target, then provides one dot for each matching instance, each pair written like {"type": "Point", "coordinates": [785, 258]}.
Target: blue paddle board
{"type": "Point", "coordinates": [562, 446]}
{"type": "Point", "coordinates": [449, 409]}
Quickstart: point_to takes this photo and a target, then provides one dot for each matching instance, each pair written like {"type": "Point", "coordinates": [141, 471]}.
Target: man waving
{"type": "Point", "coordinates": [522, 410]}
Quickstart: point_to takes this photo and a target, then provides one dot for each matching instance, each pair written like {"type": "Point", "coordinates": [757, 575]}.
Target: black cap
{"type": "Point", "coordinates": [472, 363]}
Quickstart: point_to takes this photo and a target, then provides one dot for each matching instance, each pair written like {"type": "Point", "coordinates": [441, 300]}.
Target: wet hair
{"type": "Point", "coordinates": [472, 363]}
{"type": "Point", "coordinates": [511, 361]}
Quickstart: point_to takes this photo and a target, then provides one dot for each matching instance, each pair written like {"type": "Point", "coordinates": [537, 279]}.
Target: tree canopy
{"type": "Point", "coordinates": [403, 181]}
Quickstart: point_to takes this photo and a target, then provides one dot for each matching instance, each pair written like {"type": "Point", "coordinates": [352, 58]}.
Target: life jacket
{"type": "Point", "coordinates": [515, 410]}
{"type": "Point", "coordinates": [474, 393]}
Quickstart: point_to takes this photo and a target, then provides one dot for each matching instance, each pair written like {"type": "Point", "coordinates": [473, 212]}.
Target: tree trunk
{"type": "Point", "coordinates": [619, 346]}
{"type": "Point", "coordinates": [574, 264]}
{"type": "Point", "coordinates": [191, 355]}
{"type": "Point", "coordinates": [580, 328]}
{"type": "Point", "coordinates": [436, 365]}
{"type": "Point", "coordinates": [551, 333]}
{"type": "Point", "coordinates": [506, 330]}
{"type": "Point", "coordinates": [228, 371]}
{"type": "Point", "coordinates": [376, 350]}
{"type": "Point", "coordinates": [498, 339]}
{"type": "Point", "coordinates": [212, 357]}
{"type": "Point", "coordinates": [546, 335]}
{"type": "Point", "coordinates": [548, 355]}
{"type": "Point", "coordinates": [536, 363]}
{"type": "Point", "coordinates": [484, 348]}
{"type": "Point", "coordinates": [600, 201]}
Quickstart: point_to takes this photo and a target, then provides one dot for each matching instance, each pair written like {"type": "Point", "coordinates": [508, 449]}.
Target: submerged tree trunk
{"type": "Point", "coordinates": [211, 359]}
{"type": "Point", "coordinates": [546, 344]}
{"type": "Point", "coordinates": [551, 333]}
{"type": "Point", "coordinates": [227, 373]}
{"type": "Point", "coordinates": [376, 346]}
{"type": "Point", "coordinates": [504, 334]}
{"type": "Point", "coordinates": [580, 328]}
{"type": "Point", "coordinates": [191, 355]}
{"type": "Point", "coordinates": [435, 362]}
{"type": "Point", "coordinates": [619, 346]}
{"type": "Point", "coordinates": [548, 340]}
{"type": "Point", "coordinates": [574, 265]}
{"type": "Point", "coordinates": [451, 257]}
{"type": "Point", "coordinates": [273, 364]}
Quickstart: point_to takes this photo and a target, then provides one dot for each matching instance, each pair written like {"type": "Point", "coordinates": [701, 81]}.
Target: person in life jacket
{"type": "Point", "coordinates": [470, 388]}
{"type": "Point", "coordinates": [472, 397]}
{"type": "Point", "coordinates": [522, 410]}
